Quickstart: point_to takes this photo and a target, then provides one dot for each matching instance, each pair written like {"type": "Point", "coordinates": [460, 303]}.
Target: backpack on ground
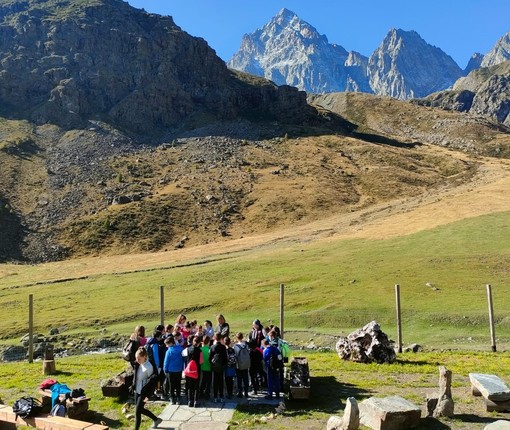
{"type": "Point", "coordinates": [129, 350]}
{"type": "Point", "coordinates": [243, 357]}
{"type": "Point", "coordinates": [59, 410]}
{"type": "Point", "coordinates": [26, 407]}
{"type": "Point", "coordinates": [276, 360]}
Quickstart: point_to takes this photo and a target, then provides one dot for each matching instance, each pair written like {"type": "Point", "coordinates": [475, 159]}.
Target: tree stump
{"type": "Point", "coordinates": [49, 367]}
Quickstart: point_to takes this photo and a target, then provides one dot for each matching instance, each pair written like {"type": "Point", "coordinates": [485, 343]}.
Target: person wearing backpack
{"type": "Point", "coordinates": [230, 370]}
{"type": "Point", "coordinates": [274, 362]}
{"type": "Point", "coordinates": [144, 383]}
{"type": "Point", "coordinates": [218, 360]}
{"type": "Point", "coordinates": [192, 380]}
{"type": "Point", "coordinates": [156, 352]}
{"type": "Point", "coordinates": [243, 365]}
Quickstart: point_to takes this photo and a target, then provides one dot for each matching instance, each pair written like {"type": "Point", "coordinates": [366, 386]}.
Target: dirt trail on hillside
{"type": "Point", "coordinates": [486, 193]}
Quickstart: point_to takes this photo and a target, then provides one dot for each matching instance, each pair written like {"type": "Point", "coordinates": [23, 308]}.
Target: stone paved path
{"type": "Point", "coordinates": [208, 415]}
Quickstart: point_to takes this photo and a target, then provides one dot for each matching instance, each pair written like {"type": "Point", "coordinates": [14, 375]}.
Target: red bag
{"type": "Point", "coordinates": [191, 370]}
{"type": "Point", "coordinates": [47, 383]}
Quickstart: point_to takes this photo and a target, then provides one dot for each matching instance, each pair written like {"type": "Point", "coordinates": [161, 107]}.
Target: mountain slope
{"type": "Point", "coordinates": [485, 91]}
{"type": "Point", "coordinates": [67, 62]}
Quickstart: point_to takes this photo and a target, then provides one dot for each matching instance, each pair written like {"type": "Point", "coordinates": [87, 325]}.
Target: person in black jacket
{"type": "Point", "coordinates": [218, 360]}
{"type": "Point", "coordinates": [192, 384]}
{"type": "Point", "coordinates": [144, 382]}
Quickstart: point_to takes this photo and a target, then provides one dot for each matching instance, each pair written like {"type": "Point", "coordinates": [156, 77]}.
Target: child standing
{"type": "Point", "coordinates": [218, 360]}
{"type": "Point", "coordinates": [274, 362]}
{"type": "Point", "coordinates": [205, 367]}
{"type": "Point", "coordinates": [174, 365]}
{"type": "Point", "coordinates": [257, 374]}
{"type": "Point", "coordinates": [230, 370]}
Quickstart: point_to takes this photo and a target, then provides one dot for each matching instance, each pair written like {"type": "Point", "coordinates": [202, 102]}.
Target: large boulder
{"type": "Point", "coordinates": [367, 345]}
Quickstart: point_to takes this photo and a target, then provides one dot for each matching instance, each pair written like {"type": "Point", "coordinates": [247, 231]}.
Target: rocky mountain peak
{"type": "Point", "coordinates": [406, 66]}
{"type": "Point", "coordinates": [499, 53]}
{"type": "Point", "coordinates": [474, 62]}
{"type": "Point", "coordinates": [288, 50]}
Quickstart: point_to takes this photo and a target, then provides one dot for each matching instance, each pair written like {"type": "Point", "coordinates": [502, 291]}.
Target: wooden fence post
{"type": "Point", "coordinates": [491, 318]}
{"type": "Point", "coordinates": [399, 319]}
{"type": "Point", "coordinates": [162, 304]}
{"type": "Point", "coordinates": [282, 287]}
{"type": "Point", "coordinates": [30, 328]}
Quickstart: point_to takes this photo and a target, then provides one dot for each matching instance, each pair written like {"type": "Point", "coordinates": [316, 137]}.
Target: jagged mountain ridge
{"type": "Point", "coordinates": [404, 66]}
{"type": "Point", "coordinates": [70, 61]}
{"type": "Point", "coordinates": [291, 51]}
{"type": "Point", "coordinates": [499, 53]}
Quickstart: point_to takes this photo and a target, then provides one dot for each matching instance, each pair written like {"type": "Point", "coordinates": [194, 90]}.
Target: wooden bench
{"type": "Point", "coordinates": [75, 407]}
{"type": "Point", "coordinates": [493, 389]}
{"type": "Point", "coordinates": [44, 422]}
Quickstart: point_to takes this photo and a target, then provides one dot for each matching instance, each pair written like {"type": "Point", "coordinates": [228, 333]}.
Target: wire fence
{"type": "Point", "coordinates": [470, 329]}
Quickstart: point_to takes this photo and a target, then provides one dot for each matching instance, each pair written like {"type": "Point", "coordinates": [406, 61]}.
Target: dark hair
{"type": "Point", "coordinates": [157, 334]}
{"type": "Point", "coordinates": [227, 340]}
{"type": "Point", "coordinates": [206, 340]}
{"type": "Point", "coordinates": [196, 341]}
{"type": "Point", "coordinates": [159, 328]}
{"type": "Point", "coordinates": [170, 340]}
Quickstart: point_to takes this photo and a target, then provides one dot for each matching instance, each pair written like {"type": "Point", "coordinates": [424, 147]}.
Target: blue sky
{"type": "Point", "coordinates": [458, 27]}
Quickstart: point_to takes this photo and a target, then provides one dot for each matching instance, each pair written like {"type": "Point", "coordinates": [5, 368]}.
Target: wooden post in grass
{"type": "Point", "coordinates": [30, 328]}
{"type": "Point", "coordinates": [399, 320]}
{"type": "Point", "coordinates": [491, 317]}
{"type": "Point", "coordinates": [282, 287]}
{"type": "Point", "coordinates": [162, 303]}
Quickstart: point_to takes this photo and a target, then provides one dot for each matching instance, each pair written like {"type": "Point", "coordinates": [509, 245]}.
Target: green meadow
{"type": "Point", "coordinates": [331, 286]}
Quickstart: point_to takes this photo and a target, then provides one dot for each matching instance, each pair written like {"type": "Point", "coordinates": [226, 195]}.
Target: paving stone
{"type": "Point", "coordinates": [223, 415]}
{"type": "Point", "coordinates": [167, 413]}
{"type": "Point", "coordinates": [204, 426]}
{"type": "Point", "coordinates": [490, 386]}
{"type": "Point", "coordinates": [169, 425]}
{"type": "Point", "coordinates": [183, 414]}
{"type": "Point", "coordinates": [389, 413]}
{"type": "Point", "coordinates": [498, 425]}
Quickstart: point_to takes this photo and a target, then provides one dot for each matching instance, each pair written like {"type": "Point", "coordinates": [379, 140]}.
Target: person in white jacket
{"type": "Point", "coordinates": [143, 385]}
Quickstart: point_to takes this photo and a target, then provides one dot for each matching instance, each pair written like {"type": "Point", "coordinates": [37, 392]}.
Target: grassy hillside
{"type": "Point", "coordinates": [331, 285]}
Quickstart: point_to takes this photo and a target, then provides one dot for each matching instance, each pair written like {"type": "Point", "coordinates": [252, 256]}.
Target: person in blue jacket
{"type": "Point", "coordinates": [173, 367]}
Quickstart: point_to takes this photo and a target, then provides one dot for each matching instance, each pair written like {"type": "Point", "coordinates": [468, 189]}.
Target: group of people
{"type": "Point", "coordinates": [209, 358]}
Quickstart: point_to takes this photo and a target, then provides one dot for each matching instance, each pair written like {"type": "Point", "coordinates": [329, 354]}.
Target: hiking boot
{"type": "Point", "coordinates": [157, 423]}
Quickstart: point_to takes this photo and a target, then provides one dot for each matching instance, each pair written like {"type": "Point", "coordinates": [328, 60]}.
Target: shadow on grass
{"type": "Point", "coordinates": [418, 362]}
{"type": "Point", "coordinates": [430, 423]}
{"type": "Point", "coordinates": [471, 418]}
{"type": "Point", "coordinates": [99, 418]}
{"type": "Point", "coordinates": [326, 395]}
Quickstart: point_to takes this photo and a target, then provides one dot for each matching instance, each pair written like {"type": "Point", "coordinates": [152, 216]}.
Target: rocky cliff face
{"type": "Point", "coordinates": [288, 50]}
{"type": "Point", "coordinates": [499, 53]}
{"type": "Point", "coordinates": [405, 66]}
{"type": "Point", "coordinates": [67, 62]}
{"type": "Point", "coordinates": [485, 91]}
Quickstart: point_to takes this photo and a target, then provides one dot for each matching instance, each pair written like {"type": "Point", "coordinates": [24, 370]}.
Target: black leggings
{"type": "Point", "coordinates": [140, 410]}
{"type": "Point", "coordinates": [218, 384]}
{"type": "Point", "coordinates": [175, 384]}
